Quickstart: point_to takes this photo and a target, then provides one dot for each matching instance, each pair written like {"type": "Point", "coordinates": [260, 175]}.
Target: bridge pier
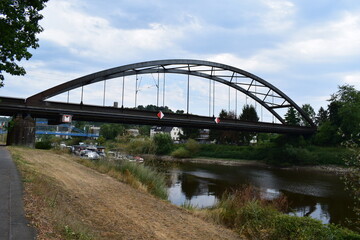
{"type": "Point", "coordinates": [21, 132]}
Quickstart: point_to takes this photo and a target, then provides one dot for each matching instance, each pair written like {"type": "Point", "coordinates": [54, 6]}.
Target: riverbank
{"type": "Point", "coordinates": [333, 169]}
{"type": "Point", "coordinates": [66, 200]}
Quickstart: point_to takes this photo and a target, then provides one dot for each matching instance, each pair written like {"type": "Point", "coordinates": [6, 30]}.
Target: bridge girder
{"type": "Point", "coordinates": [221, 73]}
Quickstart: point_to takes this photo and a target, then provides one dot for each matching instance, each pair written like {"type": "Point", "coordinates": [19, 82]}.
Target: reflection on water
{"type": "Point", "coordinates": [315, 194]}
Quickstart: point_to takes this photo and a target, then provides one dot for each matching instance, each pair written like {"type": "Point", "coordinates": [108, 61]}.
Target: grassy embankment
{"type": "Point", "coordinates": [46, 204]}
{"type": "Point", "coordinates": [55, 218]}
{"type": "Point", "coordinates": [136, 175]}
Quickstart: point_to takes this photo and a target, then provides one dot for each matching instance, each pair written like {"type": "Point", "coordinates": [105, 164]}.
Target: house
{"type": "Point", "coordinates": [132, 132]}
{"type": "Point", "coordinates": [204, 136]}
{"type": "Point", "coordinates": [174, 132]}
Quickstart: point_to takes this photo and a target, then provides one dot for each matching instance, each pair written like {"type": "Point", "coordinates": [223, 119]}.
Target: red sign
{"type": "Point", "coordinates": [160, 115]}
{"type": "Point", "coordinates": [217, 120]}
{"type": "Point", "coordinates": [66, 118]}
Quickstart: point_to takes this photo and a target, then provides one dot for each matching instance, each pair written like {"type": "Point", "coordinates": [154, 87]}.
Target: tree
{"type": "Point", "coordinates": [111, 130]}
{"type": "Point", "coordinates": [248, 114]}
{"type": "Point", "coordinates": [309, 111]}
{"type": "Point", "coordinates": [352, 179]}
{"type": "Point", "coordinates": [291, 117]}
{"type": "Point", "coordinates": [344, 111]}
{"type": "Point", "coordinates": [18, 25]}
{"type": "Point", "coordinates": [225, 136]}
{"type": "Point", "coordinates": [190, 133]}
{"type": "Point", "coordinates": [145, 130]}
{"type": "Point", "coordinates": [321, 117]}
{"type": "Point", "coordinates": [163, 143]}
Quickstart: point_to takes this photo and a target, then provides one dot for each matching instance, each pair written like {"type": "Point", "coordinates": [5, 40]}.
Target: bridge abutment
{"type": "Point", "coordinates": [21, 132]}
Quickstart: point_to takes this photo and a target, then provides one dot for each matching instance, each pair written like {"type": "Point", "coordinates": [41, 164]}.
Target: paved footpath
{"type": "Point", "coordinates": [13, 225]}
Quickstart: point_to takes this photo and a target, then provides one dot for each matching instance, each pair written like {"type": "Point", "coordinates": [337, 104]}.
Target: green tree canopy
{"type": "Point", "coordinates": [163, 143]}
{"type": "Point", "coordinates": [19, 23]}
{"type": "Point", "coordinates": [345, 111]}
{"type": "Point", "coordinates": [321, 117]}
{"type": "Point", "coordinates": [248, 114]}
{"type": "Point", "coordinates": [111, 130]}
{"type": "Point", "coordinates": [291, 117]}
{"type": "Point", "coordinates": [309, 110]}
{"type": "Point", "coordinates": [341, 121]}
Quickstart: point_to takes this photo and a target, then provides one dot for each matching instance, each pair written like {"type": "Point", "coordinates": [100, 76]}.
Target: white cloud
{"type": "Point", "coordinates": [278, 16]}
{"type": "Point", "coordinates": [352, 79]}
{"type": "Point", "coordinates": [92, 36]}
{"type": "Point", "coordinates": [326, 42]}
{"type": "Point", "coordinates": [256, 63]}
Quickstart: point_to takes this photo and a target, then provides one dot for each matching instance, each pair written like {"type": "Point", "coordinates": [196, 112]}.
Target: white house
{"type": "Point", "coordinates": [174, 132]}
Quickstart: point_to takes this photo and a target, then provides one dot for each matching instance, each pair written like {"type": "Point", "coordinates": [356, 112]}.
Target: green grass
{"type": "Point", "coordinates": [153, 180]}
{"type": "Point", "coordinates": [286, 155]}
{"type": "Point", "coordinates": [255, 218]}
{"type": "Point", "coordinates": [133, 174]}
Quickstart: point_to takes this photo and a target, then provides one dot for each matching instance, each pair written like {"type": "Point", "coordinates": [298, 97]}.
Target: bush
{"type": "Point", "coordinates": [291, 227]}
{"type": "Point", "coordinates": [43, 145]}
{"type": "Point", "coordinates": [163, 144]}
{"type": "Point", "coordinates": [181, 153]}
{"type": "Point", "coordinates": [140, 146]}
{"type": "Point", "coordinates": [256, 218]}
{"type": "Point", "coordinates": [192, 146]}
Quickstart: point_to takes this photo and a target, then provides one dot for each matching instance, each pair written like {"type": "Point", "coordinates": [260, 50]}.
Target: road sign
{"type": "Point", "coordinates": [217, 120]}
{"type": "Point", "coordinates": [66, 118]}
{"type": "Point", "coordinates": [160, 115]}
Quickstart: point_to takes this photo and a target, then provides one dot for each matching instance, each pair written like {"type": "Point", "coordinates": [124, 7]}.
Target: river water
{"type": "Point", "coordinates": [316, 194]}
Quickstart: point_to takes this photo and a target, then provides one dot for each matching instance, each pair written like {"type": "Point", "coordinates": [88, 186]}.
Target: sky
{"type": "Point", "coordinates": [305, 48]}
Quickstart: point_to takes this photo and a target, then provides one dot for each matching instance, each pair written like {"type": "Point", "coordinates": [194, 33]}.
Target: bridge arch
{"type": "Point", "coordinates": [218, 72]}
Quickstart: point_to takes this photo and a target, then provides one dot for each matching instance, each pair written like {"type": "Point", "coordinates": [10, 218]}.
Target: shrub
{"type": "Point", "coordinates": [255, 218]}
{"type": "Point", "coordinates": [181, 153]}
{"type": "Point", "coordinates": [192, 146]}
{"type": "Point", "coordinates": [154, 181]}
{"type": "Point", "coordinates": [43, 145]}
{"type": "Point", "coordinates": [163, 144]}
{"type": "Point", "coordinates": [139, 146]}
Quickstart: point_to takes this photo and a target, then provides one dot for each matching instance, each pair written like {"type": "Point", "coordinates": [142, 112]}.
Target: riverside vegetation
{"type": "Point", "coordinates": [242, 210]}
{"type": "Point", "coordinates": [252, 217]}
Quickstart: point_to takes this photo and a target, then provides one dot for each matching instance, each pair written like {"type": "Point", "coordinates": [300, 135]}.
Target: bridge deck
{"type": "Point", "coordinates": [80, 112]}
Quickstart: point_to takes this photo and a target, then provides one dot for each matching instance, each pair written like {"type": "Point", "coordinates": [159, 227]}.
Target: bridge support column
{"type": "Point", "coordinates": [22, 132]}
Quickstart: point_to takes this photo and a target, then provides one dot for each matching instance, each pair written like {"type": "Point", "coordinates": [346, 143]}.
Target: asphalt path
{"type": "Point", "coordinates": [13, 224]}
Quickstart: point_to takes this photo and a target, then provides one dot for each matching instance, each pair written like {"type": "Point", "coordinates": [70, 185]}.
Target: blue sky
{"type": "Point", "coordinates": [305, 48]}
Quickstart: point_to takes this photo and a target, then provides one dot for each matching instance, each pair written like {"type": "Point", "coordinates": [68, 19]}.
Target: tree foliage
{"type": "Point", "coordinates": [248, 114]}
{"type": "Point", "coordinates": [341, 121]}
{"type": "Point", "coordinates": [321, 117]}
{"type": "Point", "coordinates": [19, 24]}
{"type": "Point", "coordinates": [111, 130]}
{"type": "Point", "coordinates": [291, 117]}
{"type": "Point", "coordinates": [154, 108]}
{"type": "Point", "coordinates": [163, 143]}
{"type": "Point", "coordinates": [225, 136]}
{"type": "Point", "coordinates": [352, 179]}
{"type": "Point", "coordinates": [234, 137]}
{"type": "Point", "coordinates": [310, 112]}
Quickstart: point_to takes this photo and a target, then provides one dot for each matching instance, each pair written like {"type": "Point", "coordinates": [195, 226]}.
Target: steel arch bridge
{"type": "Point", "coordinates": [261, 91]}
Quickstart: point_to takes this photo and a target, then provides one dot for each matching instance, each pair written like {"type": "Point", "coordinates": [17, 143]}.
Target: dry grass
{"type": "Point", "coordinates": [66, 200]}
{"type": "Point", "coordinates": [46, 204]}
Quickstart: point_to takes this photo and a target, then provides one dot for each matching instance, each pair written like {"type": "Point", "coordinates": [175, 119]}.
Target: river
{"type": "Point", "coordinates": [310, 193]}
